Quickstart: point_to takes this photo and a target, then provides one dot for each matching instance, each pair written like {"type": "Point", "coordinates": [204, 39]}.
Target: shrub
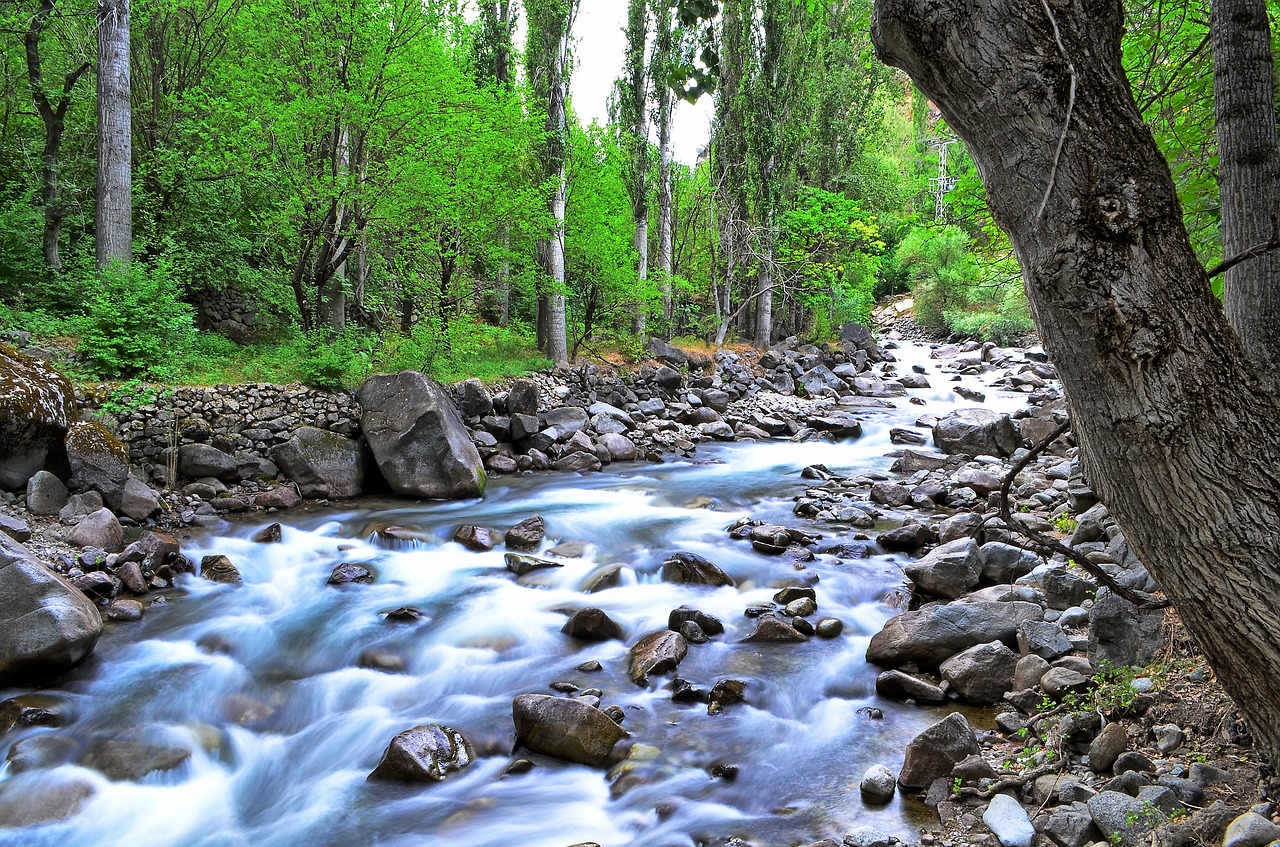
{"type": "Point", "coordinates": [135, 323]}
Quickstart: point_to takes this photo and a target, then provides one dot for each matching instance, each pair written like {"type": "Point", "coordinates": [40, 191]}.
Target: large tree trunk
{"type": "Point", "coordinates": [114, 226]}
{"type": "Point", "coordinates": [1249, 175]}
{"type": "Point", "coordinates": [635, 118]}
{"type": "Point", "coordinates": [1173, 426]}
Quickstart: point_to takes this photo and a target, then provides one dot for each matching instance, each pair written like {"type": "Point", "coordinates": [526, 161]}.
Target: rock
{"type": "Point", "coordinates": [271, 534]}
{"type": "Point", "coordinates": [37, 404]}
{"type": "Point", "coordinates": [98, 585]}
{"type": "Point", "coordinates": [621, 448]}
{"type": "Point", "coordinates": [981, 674]}
{"type": "Point", "coordinates": [770, 629]}
{"type": "Point", "coordinates": [948, 571]}
{"type": "Point", "coordinates": [692, 569]}
{"type": "Point", "coordinates": [1169, 737]}
{"type": "Point", "coordinates": [878, 784]}
{"type": "Point", "coordinates": [932, 634]}
{"type": "Point", "coordinates": [45, 623]}
{"type": "Point", "coordinates": [707, 623]}
{"type": "Point", "coordinates": [656, 653]}
{"type": "Point", "coordinates": [1132, 760]}
{"type": "Point", "coordinates": [28, 711]}
{"type": "Point", "coordinates": [1067, 827]}
{"type": "Point", "coordinates": [897, 685]}
{"type": "Point", "coordinates": [125, 610]}
{"type": "Point", "coordinates": [973, 769]}
{"type": "Point", "coordinates": [1028, 672]}
{"type": "Point", "coordinates": [566, 419]}
{"type": "Point", "coordinates": [97, 458]}
{"type": "Point", "coordinates": [963, 525]}
{"type": "Point", "coordinates": [1250, 830]}
{"type": "Point", "coordinates": [15, 528]}
{"type": "Point", "coordinates": [592, 625]}
{"type": "Point", "coordinates": [137, 500]}
{"type": "Point", "coordinates": [153, 550]}
{"type": "Point", "coordinates": [1043, 639]}
{"type": "Point", "coordinates": [577, 463]}
{"type": "Point", "coordinates": [46, 495]}
{"type": "Point", "coordinates": [866, 836]}
{"type": "Point", "coordinates": [477, 538]}
{"type": "Point", "coordinates": [100, 529]}
{"type": "Point", "coordinates": [131, 575]}
{"type": "Point", "coordinates": [1121, 633]}
{"type": "Point", "coordinates": [1008, 822]}
{"type": "Point", "coordinates": [1004, 563]}
{"type": "Point", "coordinates": [527, 534]}
{"type": "Point", "coordinates": [829, 628]}
{"type": "Point", "coordinates": [980, 481]}
{"type": "Point", "coordinates": [219, 569]}
{"type": "Point", "coordinates": [566, 728]}
{"type": "Point", "coordinates": [1123, 819]}
{"type": "Point", "coordinates": [977, 432]}
{"type": "Point", "coordinates": [521, 564]}
{"type": "Point", "coordinates": [325, 465]}
{"type": "Point", "coordinates": [1058, 682]}
{"type": "Point", "coordinates": [474, 399]}
{"type": "Point", "coordinates": [348, 573]}
{"type": "Point", "coordinates": [426, 753]}
{"type": "Point", "coordinates": [417, 437]}
{"type": "Point", "coordinates": [1107, 747]}
{"type": "Point", "coordinates": [1064, 590]}
{"type": "Point", "coordinates": [201, 460]}
{"type": "Point", "coordinates": [933, 753]}
{"type": "Point", "coordinates": [661, 350]}
{"type": "Point", "coordinates": [41, 797]}
{"type": "Point", "coordinates": [129, 760]}
{"type": "Point", "coordinates": [279, 497]}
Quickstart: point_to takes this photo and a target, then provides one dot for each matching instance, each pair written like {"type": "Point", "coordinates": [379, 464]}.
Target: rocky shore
{"type": "Point", "coordinates": [1107, 730]}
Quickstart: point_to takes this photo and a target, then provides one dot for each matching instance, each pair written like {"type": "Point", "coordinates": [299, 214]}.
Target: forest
{"type": "Point", "coordinates": [407, 184]}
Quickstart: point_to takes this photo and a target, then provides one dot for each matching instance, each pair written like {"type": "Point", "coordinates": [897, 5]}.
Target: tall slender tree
{"type": "Point", "coordinates": [632, 99]}
{"type": "Point", "coordinates": [1249, 176]}
{"type": "Point", "coordinates": [114, 226]}
{"type": "Point", "coordinates": [661, 73]}
{"type": "Point", "coordinates": [494, 48]}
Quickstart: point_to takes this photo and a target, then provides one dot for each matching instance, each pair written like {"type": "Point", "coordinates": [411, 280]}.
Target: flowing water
{"type": "Point", "coordinates": [262, 682]}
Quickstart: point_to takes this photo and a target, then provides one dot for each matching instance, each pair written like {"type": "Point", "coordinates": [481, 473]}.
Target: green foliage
{"type": "Point", "coordinates": [129, 397]}
{"type": "Point", "coordinates": [1064, 524]}
{"type": "Point", "coordinates": [135, 322]}
{"type": "Point", "coordinates": [941, 271]}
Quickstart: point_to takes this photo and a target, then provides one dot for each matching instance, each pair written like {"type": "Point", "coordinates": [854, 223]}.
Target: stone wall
{"type": "Point", "coordinates": [227, 311]}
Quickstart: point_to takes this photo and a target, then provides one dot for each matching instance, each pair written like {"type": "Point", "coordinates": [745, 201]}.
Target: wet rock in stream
{"type": "Point", "coordinates": [426, 753]}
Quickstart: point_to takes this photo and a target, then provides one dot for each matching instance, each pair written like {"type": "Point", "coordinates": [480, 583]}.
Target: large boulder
{"type": "Point", "coordinates": [565, 728]}
{"type": "Point", "coordinates": [324, 464]}
{"type": "Point", "coordinates": [656, 653]}
{"type": "Point", "coordinates": [45, 623]}
{"type": "Point", "coordinates": [417, 437]}
{"type": "Point", "coordinates": [948, 571]}
{"type": "Point", "coordinates": [1121, 633]}
{"type": "Point", "coordinates": [977, 432]}
{"type": "Point", "coordinates": [46, 495]}
{"type": "Point", "coordinates": [100, 529]}
{"type": "Point", "coordinates": [692, 569]}
{"type": "Point", "coordinates": [202, 460]}
{"type": "Point", "coordinates": [982, 674]}
{"type": "Point", "coordinates": [425, 753]}
{"type": "Point", "coordinates": [930, 635]}
{"type": "Point", "coordinates": [37, 404]}
{"type": "Point", "coordinates": [98, 459]}
{"type": "Point", "coordinates": [933, 753]}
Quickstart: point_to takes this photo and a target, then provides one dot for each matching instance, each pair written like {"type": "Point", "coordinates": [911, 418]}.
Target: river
{"type": "Point", "coordinates": [262, 682]}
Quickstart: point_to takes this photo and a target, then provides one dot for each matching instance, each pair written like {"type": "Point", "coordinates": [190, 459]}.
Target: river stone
{"type": "Point", "coordinates": [29, 710]}
{"type": "Point", "coordinates": [1008, 821]}
{"type": "Point", "coordinates": [577, 463]}
{"type": "Point", "coordinates": [981, 674]}
{"type": "Point", "coordinates": [948, 571]}
{"type": "Point", "coordinates": [866, 836]}
{"type": "Point", "coordinates": [200, 460]}
{"type": "Point", "coordinates": [417, 437]}
{"type": "Point", "coordinates": [129, 759]}
{"type": "Point", "coordinates": [933, 634]}
{"type": "Point", "coordinates": [474, 399]}
{"type": "Point", "coordinates": [621, 448]}
{"type": "Point", "coordinates": [37, 404]}
{"type": "Point", "coordinates": [15, 528]}
{"type": "Point", "coordinates": [1028, 672]}
{"type": "Point", "coordinates": [977, 432]}
{"type": "Point", "coordinates": [1123, 819]}
{"type": "Point", "coordinates": [1067, 827]}
{"type": "Point", "coordinates": [1169, 737]}
{"type": "Point", "coordinates": [125, 610]}
{"type": "Point", "coordinates": [963, 525]}
{"type": "Point", "coordinates": [897, 685]}
{"type": "Point", "coordinates": [41, 797]}
{"type": "Point", "coordinates": [566, 419]}
{"type": "Point", "coordinates": [982, 482]}
{"type": "Point", "coordinates": [45, 623]}
{"type": "Point", "coordinates": [878, 784]}
{"type": "Point", "coordinates": [426, 753]}
{"type": "Point", "coordinates": [1063, 589]}
{"type": "Point", "coordinates": [770, 629]}
{"type": "Point", "coordinates": [691, 569]}
{"type": "Point", "coordinates": [98, 459]}
{"type": "Point", "coordinates": [1121, 633]}
{"type": "Point", "coordinates": [592, 624]}
{"type": "Point", "coordinates": [707, 623]}
{"type": "Point", "coordinates": [522, 398]}
{"type": "Point", "coordinates": [567, 728]}
{"type": "Point", "coordinates": [1043, 639]}
{"type": "Point", "coordinates": [1107, 747]}
{"type": "Point", "coordinates": [46, 495]}
{"type": "Point", "coordinates": [527, 534]}
{"type": "Point", "coordinates": [521, 564]}
{"type": "Point", "coordinates": [933, 753]}
{"type": "Point", "coordinates": [656, 653]}
{"type": "Point", "coordinates": [278, 497]}
{"type": "Point", "coordinates": [100, 529]}
{"type": "Point", "coordinates": [1058, 682]}
{"type": "Point", "coordinates": [1003, 563]}
{"type": "Point", "coordinates": [152, 550]}
{"type": "Point", "coordinates": [477, 538]}
{"type": "Point", "coordinates": [137, 500]}
{"type": "Point", "coordinates": [907, 537]}
{"type": "Point", "coordinates": [1250, 830]}
{"type": "Point", "coordinates": [220, 569]}
{"type": "Point", "coordinates": [131, 575]}
{"type": "Point", "coordinates": [348, 573]}
{"type": "Point", "coordinates": [325, 465]}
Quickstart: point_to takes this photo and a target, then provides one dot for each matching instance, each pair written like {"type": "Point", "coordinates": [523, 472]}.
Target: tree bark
{"type": "Point", "coordinates": [114, 225]}
{"type": "Point", "coordinates": [1249, 175]}
{"type": "Point", "coordinates": [636, 113]}
{"type": "Point", "coordinates": [662, 59]}
{"type": "Point", "coordinates": [1173, 425]}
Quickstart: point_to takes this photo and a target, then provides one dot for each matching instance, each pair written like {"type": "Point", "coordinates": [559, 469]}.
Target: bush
{"type": "Point", "coordinates": [135, 323]}
{"type": "Point", "coordinates": [941, 270]}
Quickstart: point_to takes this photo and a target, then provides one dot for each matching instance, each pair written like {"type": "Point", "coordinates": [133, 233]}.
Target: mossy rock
{"type": "Point", "coordinates": [98, 458]}
{"type": "Point", "coordinates": [37, 404]}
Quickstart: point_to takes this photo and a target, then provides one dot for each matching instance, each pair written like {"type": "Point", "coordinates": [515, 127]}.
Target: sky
{"type": "Point", "coordinates": [599, 49]}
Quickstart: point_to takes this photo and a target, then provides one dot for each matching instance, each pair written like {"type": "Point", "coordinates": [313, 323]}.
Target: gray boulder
{"type": "Point", "coordinates": [137, 500]}
{"type": "Point", "coordinates": [656, 653]}
{"type": "Point", "coordinates": [522, 398]}
{"type": "Point", "coordinates": [930, 635]}
{"type": "Point", "coordinates": [977, 432]}
{"type": "Point", "coordinates": [98, 459]}
{"type": "Point", "coordinates": [897, 685]}
{"type": "Point", "coordinates": [1250, 830]}
{"type": "Point", "coordinates": [1044, 639]}
{"type": "Point", "coordinates": [46, 495]}
{"type": "Point", "coordinates": [878, 784]}
{"type": "Point", "coordinates": [100, 529]}
{"type": "Point", "coordinates": [45, 623]}
{"type": "Point", "coordinates": [1008, 822]}
{"type": "Point", "coordinates": [933, 753]}
{"type": "Point", "coordinates": [592, 624]}
{"type": "Point", "coordinates": [1123, 819]}
{"type": "Point", "coordinates": [692, 569]}
{"type": "Point", "coordinates": [417, 437]}
{"type": "Point", "coordinates": [1004, 563]}
{"type": "Point", "coordinates": [1121, 633]}
{"type": "Point", "coordinates": [981, 674]}
{"type": "Point", "coordinates": [566, 419]}
{"type": "Point", "coordinates": [325, 465]}
{"type": "Point", "coordinates": [427, 753]}
{"type": "Point", "coordinates": [948, 571]}
{"type": "Point", "coordinates": [568, 729]}
{"type": "Point", "coordinates": [474, 399]}
{"type": "Point", "coordinates": [621, 448]}
{"type": "Point", "coordinates": [201, 460]}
